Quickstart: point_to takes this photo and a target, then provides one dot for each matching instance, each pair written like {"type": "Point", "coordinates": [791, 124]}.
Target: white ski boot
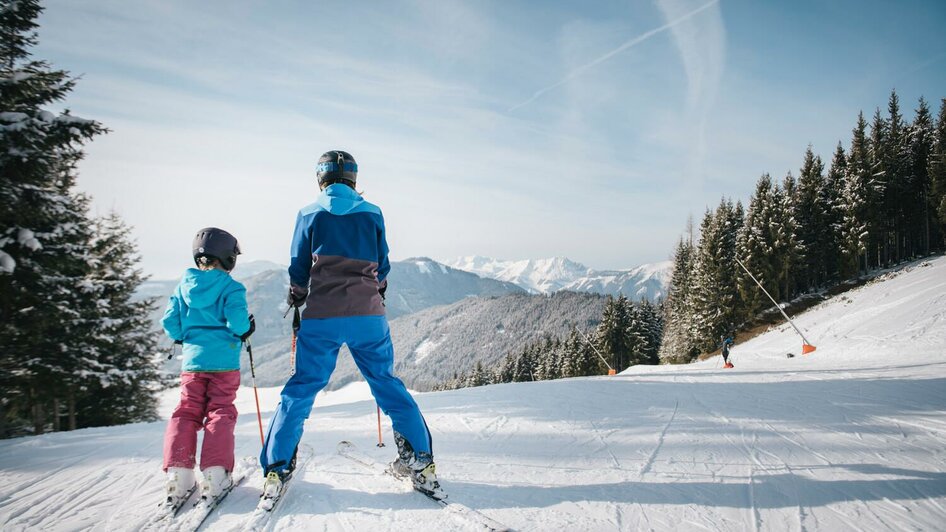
{"type": "Point", "coordinates": [180, 484]}
{"type": "Point", "coordinates": [424, 478]}
{"type": "Point", "coordinates": [216, 482]}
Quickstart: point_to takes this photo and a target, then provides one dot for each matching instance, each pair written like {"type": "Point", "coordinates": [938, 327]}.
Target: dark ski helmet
{"type": "Point", "coordinates": [217, 244]}
{"type": "Point", "coordinates": [335, 166]}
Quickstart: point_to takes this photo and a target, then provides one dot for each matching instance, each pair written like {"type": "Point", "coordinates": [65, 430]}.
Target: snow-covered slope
{"type": "Point", "coordinates": [849, 438]}
{"type": "Point", "coordinates": [544, 276]}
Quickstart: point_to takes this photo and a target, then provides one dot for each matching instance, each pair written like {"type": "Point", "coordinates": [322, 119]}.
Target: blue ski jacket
{"type": "Point", "coordinates": [339, 255]}
{"type": "Point", "coordinates": [208, 313]}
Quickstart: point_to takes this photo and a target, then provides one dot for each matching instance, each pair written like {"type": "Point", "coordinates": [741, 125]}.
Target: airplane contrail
{"type": "Point", "coordinates": [629, 44]}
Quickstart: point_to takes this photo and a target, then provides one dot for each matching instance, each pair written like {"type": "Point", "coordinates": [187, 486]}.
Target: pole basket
{"type": "Point", "coordinates": [807, 349]}
{"type": "Point", "coordinates": [612, 372]}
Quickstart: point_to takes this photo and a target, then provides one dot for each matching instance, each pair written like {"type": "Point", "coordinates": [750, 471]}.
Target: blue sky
{"type": "Point", "coordinates": [510, 129]}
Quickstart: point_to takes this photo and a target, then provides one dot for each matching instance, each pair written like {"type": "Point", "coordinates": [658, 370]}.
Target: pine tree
{"type": "Point", "coordinates": [44, 230]}
{"type": "Point", "coordinates": [811, 215]}
{"type": "Point", "coordinates": [549, 360]}
{"type": "Point", "coordinates": [786, 249]}
{"type": "Point", "coordinates": [478, 377]}
{"type": "Point", "coordinates": [652, 332]}
{"type": "Point", "coordinates": [756, 246]}
{"type": "Point", "coordinates": [126, 345]}
{"type": "Point", "coordinates": [898, 201]}
{"type": "Point", "coordinates": [612, 332]}
{"type": "Point", "coordinates": [855, 203]}
{"type": "Point", "coordinates": [920, 141]}
{"type": "Point", "coordinates": [677, 345]}
{"type": "Point", "coordinates": [524, 367]}
{"type": "Point", "coordinates": [831, 197]}
{"type": "Point", "coordinates": [937, 172]}
{"type": "Point", "coordinates": [877, 204]}
{"type": "Point", "coordinates": [715, 293]}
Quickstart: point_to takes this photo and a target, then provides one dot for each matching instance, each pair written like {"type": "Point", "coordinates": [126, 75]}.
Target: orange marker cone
{"type": "Point", "coordinates": [807, 348]}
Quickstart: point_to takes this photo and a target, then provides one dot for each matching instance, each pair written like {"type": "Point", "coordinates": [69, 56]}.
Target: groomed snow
{"type": "Point", "coordinates": [852, 437]}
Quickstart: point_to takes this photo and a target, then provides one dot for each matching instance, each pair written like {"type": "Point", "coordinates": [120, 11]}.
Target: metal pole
{"type": "Point", "coordinates": [766, 292]}
{"type": "Point", "coordinates": [610, 369]}
{"type": "Point", "coordinates": [259, 416]}
{"type": "Point", "coordinates": [380, 441]}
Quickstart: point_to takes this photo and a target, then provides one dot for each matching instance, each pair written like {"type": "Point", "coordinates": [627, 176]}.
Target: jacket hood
{"type": "Point", "coordinates": [201, 288]}
{"type": "Point", "coordinates": [340, 199]}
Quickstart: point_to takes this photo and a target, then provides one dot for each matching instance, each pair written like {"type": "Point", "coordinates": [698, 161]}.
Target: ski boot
{"type": "Point", "coordinates": [180, 484]}
{"type": "Point", "coordinates": [728, 365]}
{"type": "Point", "coordinates": [273, 488]}
{"type": "Point", "coordinates": [419, 467]}
{"type": "Point", "coordinates": [217, 481]}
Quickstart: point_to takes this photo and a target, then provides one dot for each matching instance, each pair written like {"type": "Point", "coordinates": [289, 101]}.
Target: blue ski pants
{"type": "Point", "coordinates": [369, 340]}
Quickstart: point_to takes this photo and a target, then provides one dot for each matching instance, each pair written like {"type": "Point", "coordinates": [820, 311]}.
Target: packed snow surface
{"type": "Point", "coordinates": [851, 437]}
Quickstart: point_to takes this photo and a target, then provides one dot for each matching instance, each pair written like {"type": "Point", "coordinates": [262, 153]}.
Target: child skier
{"type": "Point", "coordinates": [726, 343]}
{"type": "Point", "coordinates": [338, 270]}
{"type": "Point", "coordinates": [207, 313]}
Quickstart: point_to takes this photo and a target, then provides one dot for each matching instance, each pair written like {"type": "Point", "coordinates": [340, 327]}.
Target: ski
{"type": "Point", "coordinates": [161, 520]}
{"type": "Point", "coordinates": [201, 510]}
{"type": "Point", "coordinates": [268, 506]}
{"type": "Point", "coordinates": [467, 515]}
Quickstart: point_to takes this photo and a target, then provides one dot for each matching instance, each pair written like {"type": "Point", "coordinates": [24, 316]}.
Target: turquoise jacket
{"type": "Point", "coordinates": [207, 311]}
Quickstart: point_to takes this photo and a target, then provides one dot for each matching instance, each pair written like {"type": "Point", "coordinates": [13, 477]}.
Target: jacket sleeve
{"type": "Point", "coordinates": [172, 318]}
{"type": "Point", "coordinates": [235, 311]}
{"type": "Point", "coordinates": [384, 266]}
{"type": "Point", "coordinates": [300, 256]}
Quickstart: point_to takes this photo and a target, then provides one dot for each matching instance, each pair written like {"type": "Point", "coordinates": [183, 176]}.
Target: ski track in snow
{"type": "Point", "coordinates": [852, 437]}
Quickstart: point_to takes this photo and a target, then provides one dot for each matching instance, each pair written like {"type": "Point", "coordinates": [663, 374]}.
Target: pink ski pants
{"type": "Point", "coordinates": [206, 401]}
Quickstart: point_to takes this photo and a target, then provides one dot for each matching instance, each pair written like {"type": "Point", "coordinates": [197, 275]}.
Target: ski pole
{"type": "Point", "coordinates": [259, 416]}
{"type": "Point", "coordinates": [380, 441]}
{"type": "Point", "coordinates": [296, 325]}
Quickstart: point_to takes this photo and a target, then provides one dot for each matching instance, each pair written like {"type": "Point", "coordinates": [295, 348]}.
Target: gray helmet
{"type": "Point", "coordinates": [217, 244]}
{"type": "Point", "coordinates": [335, 166]}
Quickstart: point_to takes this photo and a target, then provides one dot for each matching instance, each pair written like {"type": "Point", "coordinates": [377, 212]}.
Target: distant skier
{"type": "Point", "coordinates": [338, 270]}
{"type": "Point", "coordinates": [207, 313]}
{"type": "Point", "coordinates": [727, 342]}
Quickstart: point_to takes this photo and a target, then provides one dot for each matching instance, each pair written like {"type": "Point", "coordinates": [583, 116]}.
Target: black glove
{"type": "Point", "coordinates": [250, 331]}
{"type": "Point", "coordinates": [382, 289]}
{"type": "Point", "coordinates": [296, 297]}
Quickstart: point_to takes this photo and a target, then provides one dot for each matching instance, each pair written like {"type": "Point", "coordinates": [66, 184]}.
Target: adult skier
{"type": "Point", "coordinates": [338, 271]}
{"type": "Point", "coordinates": [207, 314]}
{"type": "Point", "coordinates": [728, 341]}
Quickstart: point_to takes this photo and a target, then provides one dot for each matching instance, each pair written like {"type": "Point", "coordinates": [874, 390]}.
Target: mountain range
{"type": "Point", "coordinates": [443, 319]}
{"type": "Point", "coordinates": [544, 276]}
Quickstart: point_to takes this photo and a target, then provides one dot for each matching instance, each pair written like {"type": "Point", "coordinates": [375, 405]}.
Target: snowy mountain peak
{"type": "Point", "coordinates": [425, 264]}
{"type": "Point", "coordinates": [544, 276]}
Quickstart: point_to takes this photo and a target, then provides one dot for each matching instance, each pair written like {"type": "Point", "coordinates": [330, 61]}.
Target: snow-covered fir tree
{"type": "Point", "coordinates": [715, 295]}
{"type": "Point", "coordinates": [677, 343]}
{"type": "Point", "coordinates": [756, 245]}
{"type": "Point", "coordinates": [831, 193]}
{"type": "Point", "coordinates": [855, 203]}
{"type": "Point", "coordinates": [49, 296]}
{"type": "Point", "coordinates": [125, 344]}
{"type": "Point", "coordinates": [924, 229]}
{"type": "Point", "coordinates": [877, 205]}
{"type": "Point", "coordinates": [811, 215]}
{"type": "Point", "coordinates": [937, 170]}
{"type": "Point", "coordinates": [612, 332]}
{"type": "Point", "coordinates": [787, 250]}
